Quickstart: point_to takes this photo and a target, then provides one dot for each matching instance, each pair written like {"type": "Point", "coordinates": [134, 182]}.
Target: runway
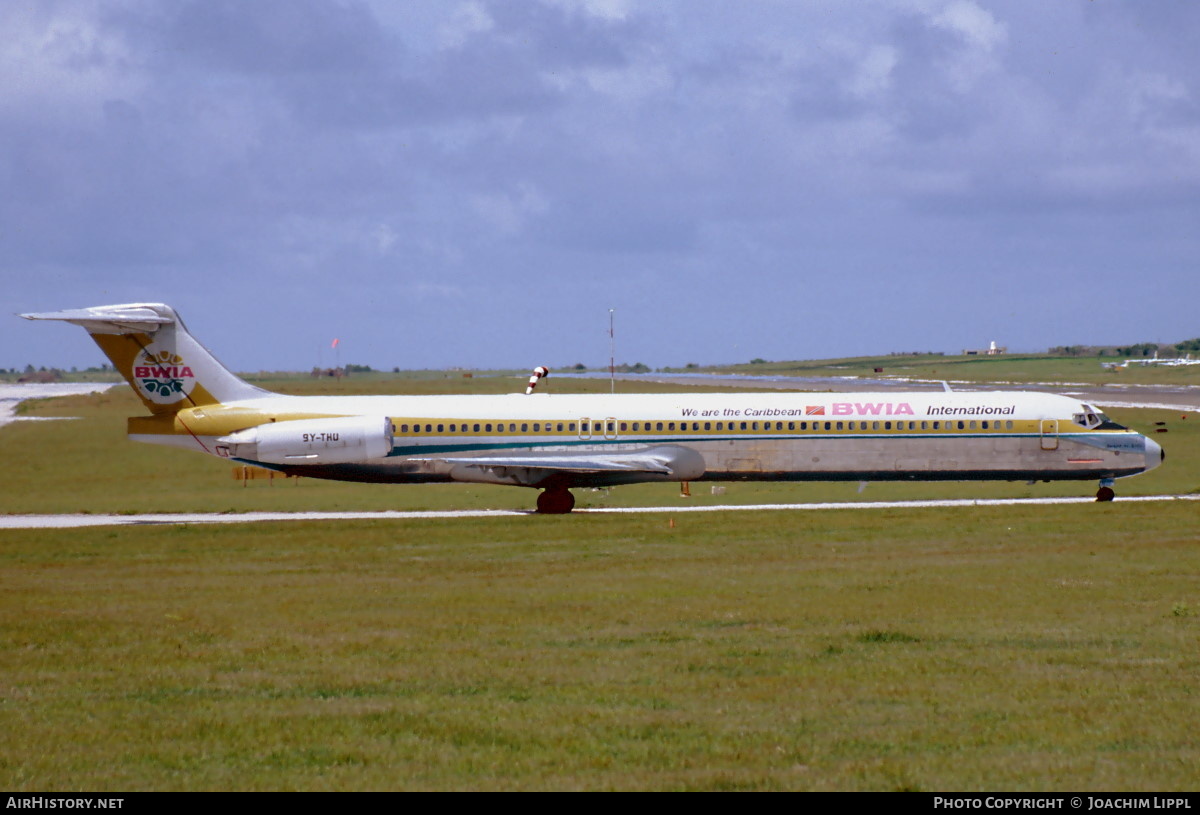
{"type": "Point", "coordinates": [13, 395]}
{"type": "Point", "coordinates": [77, 521]}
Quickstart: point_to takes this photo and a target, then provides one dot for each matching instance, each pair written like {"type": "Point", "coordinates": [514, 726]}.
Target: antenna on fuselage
{"type": "Point", "coordinates": [537, 374]}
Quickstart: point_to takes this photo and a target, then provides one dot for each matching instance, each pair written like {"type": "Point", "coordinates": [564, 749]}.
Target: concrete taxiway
{"type": "Point", "coordinates": [76, 521]}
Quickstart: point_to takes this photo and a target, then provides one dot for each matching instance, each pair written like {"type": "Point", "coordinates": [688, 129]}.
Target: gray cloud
{"type": "Point", "coordinates": [765, 179]}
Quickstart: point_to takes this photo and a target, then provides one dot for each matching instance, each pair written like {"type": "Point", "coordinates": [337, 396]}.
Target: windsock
{"type": "Point", "coordinates": [537, 374]}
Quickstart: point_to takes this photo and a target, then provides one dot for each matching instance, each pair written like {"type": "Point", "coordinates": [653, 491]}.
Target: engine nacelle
{"type": "Point", "coordinates": [348, 440]}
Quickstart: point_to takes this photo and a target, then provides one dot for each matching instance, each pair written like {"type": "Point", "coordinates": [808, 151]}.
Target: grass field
{"type": "Point", "coordinates": [975, 648]}
{"type": "Point", "coordinates": [970, 649]}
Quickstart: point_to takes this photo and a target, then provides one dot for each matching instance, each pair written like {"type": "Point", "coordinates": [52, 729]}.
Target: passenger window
{"type": "Point", "coordinates": [428, 428]}
{"type": "Point", "coordinates": [828, 425]}
{"type": "Point", "coordinates": [403, 428]}
{"type": "Point", "coordinates": [570, 427]}
{"type": "Point", "coordinates": [708, 425]}
{"type": "Point", "coordinates": [743, 426]}
{"type": "Point", "coordinates": [791, 425]}
{"type": "Point", "coordinates": [720, 425]}
{"type": "Point", "coordinates": [441, 428]}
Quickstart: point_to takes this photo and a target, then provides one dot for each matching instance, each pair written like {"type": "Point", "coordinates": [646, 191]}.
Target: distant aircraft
{"type": "Point", "coordinates": [555, 442]}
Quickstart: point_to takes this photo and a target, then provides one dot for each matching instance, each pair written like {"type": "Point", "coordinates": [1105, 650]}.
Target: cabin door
{"type": "Point", "coordinates": [1049, 434]}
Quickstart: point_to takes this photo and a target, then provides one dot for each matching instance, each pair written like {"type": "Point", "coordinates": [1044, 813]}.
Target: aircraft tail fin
{"type": "Point", "coordinates": [163, 363]}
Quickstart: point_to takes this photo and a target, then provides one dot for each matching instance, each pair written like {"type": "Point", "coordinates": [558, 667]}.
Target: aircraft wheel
{"type": "Point", "coordinates": [1105, 494]}
{"type": "Point", "coordinates": [555, 502]}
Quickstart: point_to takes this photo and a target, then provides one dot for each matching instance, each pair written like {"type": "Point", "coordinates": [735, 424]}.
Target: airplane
{"type": "Point", "coordinates": [556, 442]}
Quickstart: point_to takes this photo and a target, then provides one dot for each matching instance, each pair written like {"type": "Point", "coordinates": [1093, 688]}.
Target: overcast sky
{"type": "Point", "coordinates": [477, 183]}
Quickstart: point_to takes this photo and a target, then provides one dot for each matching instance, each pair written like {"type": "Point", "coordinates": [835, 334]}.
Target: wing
{"type": "Point", "coordinates": [593, 468]}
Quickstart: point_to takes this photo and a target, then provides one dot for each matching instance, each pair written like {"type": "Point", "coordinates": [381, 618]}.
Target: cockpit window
{"type": "Point", "coordinates": [1093, 419]}
{"type": "Point", "coordinates": [1108, 424]}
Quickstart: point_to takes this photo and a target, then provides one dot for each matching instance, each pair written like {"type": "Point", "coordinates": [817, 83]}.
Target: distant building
{"type": "Point", "coordinates": [991, 351]}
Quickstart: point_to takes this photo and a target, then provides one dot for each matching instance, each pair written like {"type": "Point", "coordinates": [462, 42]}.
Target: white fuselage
{"type": "Point", "coordinates": [746, 436]}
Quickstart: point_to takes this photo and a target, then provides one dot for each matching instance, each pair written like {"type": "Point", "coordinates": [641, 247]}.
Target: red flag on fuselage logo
{"type": "Point", "coordinates": [814, 410]}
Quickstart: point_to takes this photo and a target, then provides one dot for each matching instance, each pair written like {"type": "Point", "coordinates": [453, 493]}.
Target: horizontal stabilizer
{"type": "Point", "coordinates": [135, 318]}
{"type": "Point", "coordinates": [150, 346]}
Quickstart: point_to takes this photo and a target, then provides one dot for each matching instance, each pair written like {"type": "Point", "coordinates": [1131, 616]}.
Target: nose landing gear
{"type": "Point", "coordinates": [1105, 493]}
{"type": "Point", "coordinates": [555, 501]}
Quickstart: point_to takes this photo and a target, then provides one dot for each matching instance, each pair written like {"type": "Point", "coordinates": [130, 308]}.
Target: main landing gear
{"type": "Point", "coordinates": [1105, 493]}
{"type": "Point", "coordinates": [555, 501]}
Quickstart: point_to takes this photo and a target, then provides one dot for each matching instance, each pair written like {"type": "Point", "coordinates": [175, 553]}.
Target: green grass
{"type": "Point", "coordinates": [970, 649]}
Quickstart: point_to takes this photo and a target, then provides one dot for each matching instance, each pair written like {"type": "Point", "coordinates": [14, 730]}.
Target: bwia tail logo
{"type": "Point", "coordinates": [162, 376]}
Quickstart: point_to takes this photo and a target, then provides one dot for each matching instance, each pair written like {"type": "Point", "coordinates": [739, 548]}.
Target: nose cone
{"type": "Point", "coordinates": [1154, 454]}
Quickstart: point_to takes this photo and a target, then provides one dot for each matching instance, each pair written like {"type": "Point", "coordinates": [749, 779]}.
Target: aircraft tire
{"type": "Point", "coordinates": [555, 502]}
{"type": "Point", "coordinates": [1105, 494]}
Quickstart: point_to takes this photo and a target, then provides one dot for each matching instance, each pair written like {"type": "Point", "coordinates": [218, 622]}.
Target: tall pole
{"type": "Point", "coordinates": [612, 358]}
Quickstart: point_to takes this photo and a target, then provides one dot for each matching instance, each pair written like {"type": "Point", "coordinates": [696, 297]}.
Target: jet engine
{"type": "Point", "coordinates": [348, 440]}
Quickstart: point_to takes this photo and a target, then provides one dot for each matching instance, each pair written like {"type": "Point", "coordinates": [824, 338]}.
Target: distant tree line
{"type": "Point", "coordinates": [1140, 349]}
{"type": "Point", "coordinates": [623, 368]}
